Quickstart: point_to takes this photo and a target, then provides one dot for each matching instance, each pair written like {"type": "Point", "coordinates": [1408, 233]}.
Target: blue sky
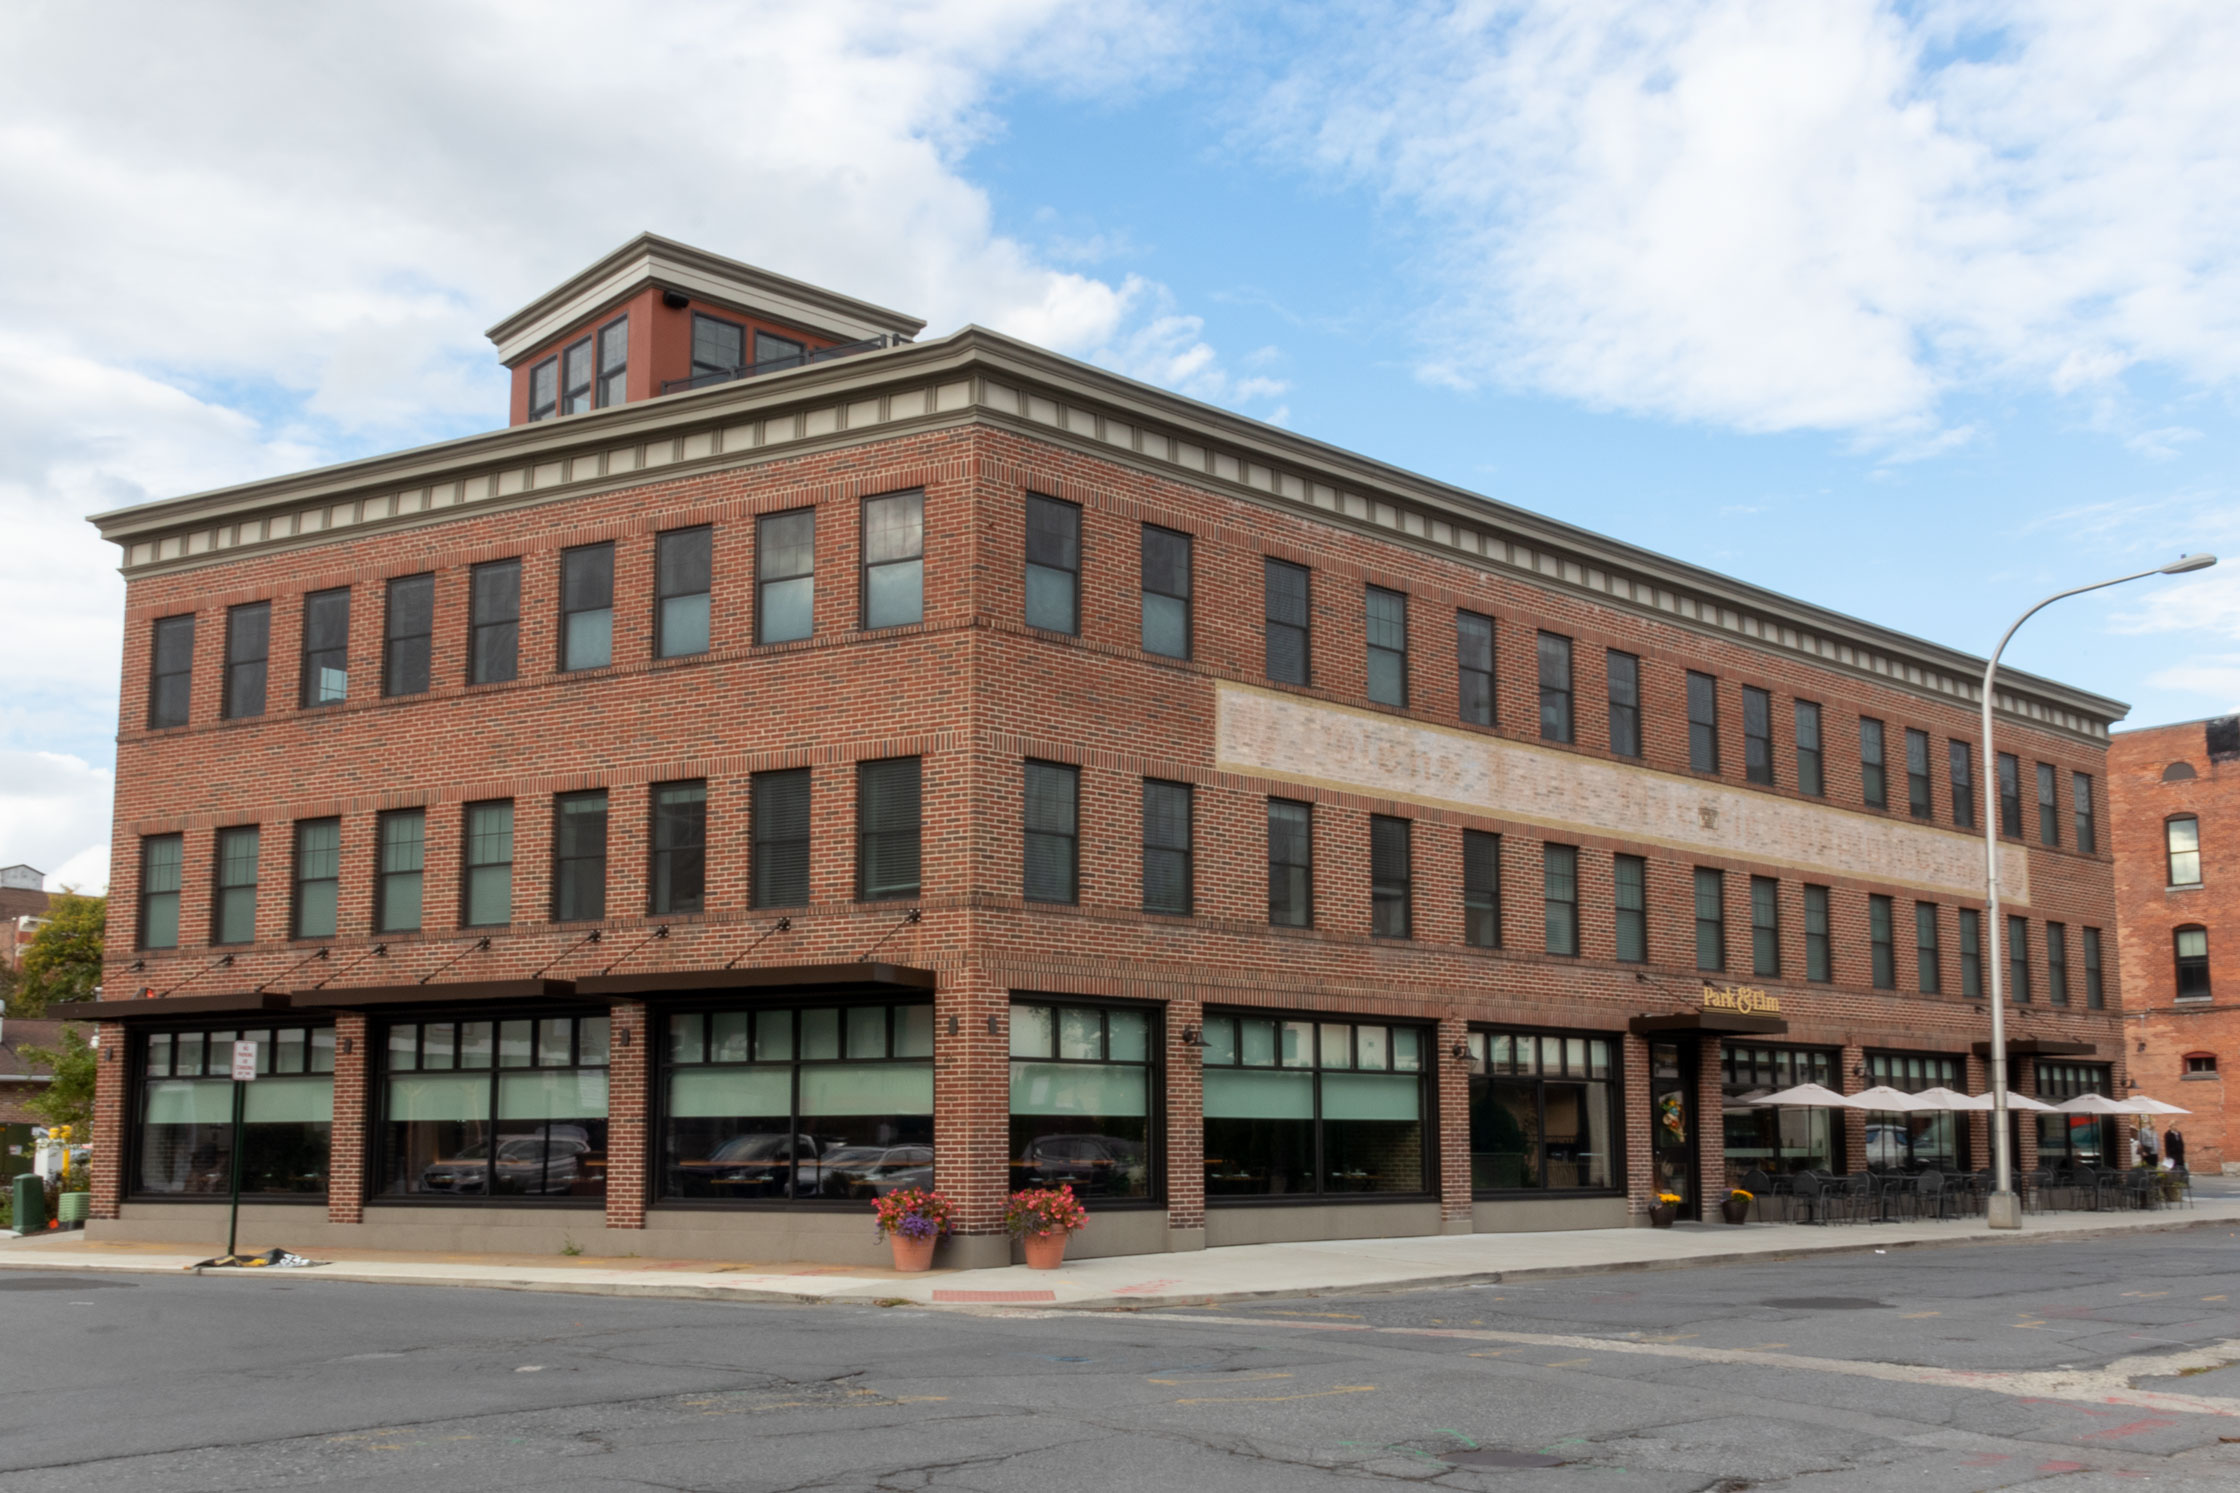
{"type": "Point", "coordinates": [1916, 312]}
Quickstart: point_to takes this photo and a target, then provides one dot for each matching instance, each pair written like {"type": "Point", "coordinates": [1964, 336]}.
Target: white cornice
{"type": "Point", "coordinates": [978, 375]}
{"type": "Point", "coordinates": [652, 259]}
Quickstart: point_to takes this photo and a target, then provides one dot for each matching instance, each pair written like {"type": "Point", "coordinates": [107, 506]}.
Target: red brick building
{"type": "Point", "coordinates": [755, 780]}
{"type": "Point", "coordinates": [2175, 794]}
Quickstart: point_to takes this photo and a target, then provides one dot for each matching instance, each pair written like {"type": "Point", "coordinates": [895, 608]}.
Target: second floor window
{"type": "Point", "coordinates": [325, 677]}
{"type": "Point", "coordinates": [684, 573]}
{"type": "Point", "coordinates": [488, 899]}
{"type": "Point", "coordinates": [1757, 735]}
{"type": "Point", "coordinates": [2018, 960]}
{"type": "Point", "coordinates": [1711, 919]}
{"type": "Point", "coordinates": [170, 671]}
{"type": "Point", "coordinates": [887, 822]}
{"type": "Point", "coordinates": [2095, 993]}
{"type": "Point", "coordinates": [1624, 670]}
{"type": "Point", "coordinates": [2049, 809]}
{"type": "Point", "coordinates": [894, 560]}
{"type": "Point", "coordinates": [2010, 796]}
{"type": "Point", "coordinates": [1917, 774]}
{"type": "Point", "coordinates": [233, 911]}
{"type": "Point", "coordinates": [1927, 959]}
{"type": "Point", "coordinates": [1703, 722]}
{"type": "Point", "coordinates": [1629, 878]}
{"type": "Point", "coordinates": [1166, 592]}
{"type": "Point", "coordinates": [407, 634]}
{"type": "Point", "coordinates": [1960, 763]}
{"type": "Point", "coordinates": [587, 607]}
{"type": "Point", "coordinates": [1053, 832]}
{"type": "Point", "coordinates": [2057, 964]}
{"type": "Point", "coordinates": [1053, 564]}
{"type": "Point", "coordinates": [785, 576]}
{"type": "Point", "coordinates": [1473, 646]}
{"type": "Point", "coordinates": [1166, 848]}
{"type": "Point", "coordinates": [680, 848]}
{"type": "Point", "coordinates": [780, 874]}
{"type": "Point", "coordinates": [248, 647]}
{"type": "Point", "coordinates": [1290, 863]}
{"type": "Point", "coordinates": [1559, 881]}
{"type": "Point", "coordinates": [1971, 954]}
{"type": "Point", "coordinates": [1481, 889]}
{"type": "Point", "coordinates": [579, 857]}
{"type": "Point", "coordinates": [2182, 838]}
{"type": "Point", "coordinates": [1391, 875]}
{"type": "Point", "coordinates": [1874, 780]}
{"type": "Point", "coordinates": [2192, 951]}
{"type": "Point", "coordinates": [1387, 624]}
{"type": "Point", "coordinates": [1555, 687]}
{"type": "Point", "coordinates": [161, 857]}
{"type": "Point", "coordinates": [495, 619]}
{"type": "Point", "coordinates": [1819, 956]}
{"type": "Point", "coordinates": [1879, 943]}
{"type": "Point", "coordinates": [401, 858]}
{"type": "Point", "coordinates": [1810, 780]}
{"type": "Point", "coordinates": [1290, 628]}
{"type": "Point", "coordinates": [2080, 798]}
{"type": "Point", "coordinates": [1765, 926]}
{"type": "Point", "coordinates": [318, 874]}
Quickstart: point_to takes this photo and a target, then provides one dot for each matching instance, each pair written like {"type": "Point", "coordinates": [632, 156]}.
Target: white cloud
{"type": "Point", "coordinates": [54, 814]}
{"type": "Point", "coordinates": [1775, 216]}
{"type": "Point", "coordinates": [2162, 444]}
{"type": "Point", "coordinates": [2215, 676]}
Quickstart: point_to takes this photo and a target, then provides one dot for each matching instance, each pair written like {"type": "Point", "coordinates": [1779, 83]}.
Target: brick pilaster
{"type": "Point", "coordinates": [972, 1108]}
{"type": "Point", "coordinates": [1186, 1123]}
{"type": "Point", "coordinates": [1454, 1121]}
{"type": "Point", "coordinates": [628, 1063]}
{"type": "Point", "coordinates": [1641, 1162]}
{"type": "Point", "coordinates": [1854, 1121]}
{"type": "Point", "coordinates": [1711, 1125]}
{"type": "Point", "coordinates": [111, 1085]}
{"type": "Point", "coordinates": [350, 1145]}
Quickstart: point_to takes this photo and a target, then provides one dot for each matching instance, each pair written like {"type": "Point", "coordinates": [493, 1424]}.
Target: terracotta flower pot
{"type": "Point", "coordinates": [1735, 1210]}
{"type": "Point", "coordinates": [913, 1254]}
{"type": "Point", "coordinates": [1045, 1251]}
{"type": "Point", "coordinates": [1661, 1215]}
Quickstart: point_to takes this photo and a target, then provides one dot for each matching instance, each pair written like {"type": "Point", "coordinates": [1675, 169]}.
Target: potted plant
{"type": "Point", "coordinates": [1665, 1209]}
{"type": "Point", "coordinates": [1736, 1209]}
{"type": "Point", "coordinates": [913, 1221]}
{"type": "Point", "coordinates": [1042, 1219]}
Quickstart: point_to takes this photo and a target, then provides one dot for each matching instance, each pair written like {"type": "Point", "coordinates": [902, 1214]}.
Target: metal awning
{"type": "Point", "coordinates": [167, 1007]}
{"type": "Point", "coordinates": [2040, 1047]}
{"type": "Point", "coordinates": [1709, 1024]}
{"type": "Point", "coordinates": [827, 979]}
{"type": "Point", "coordinates": [354, 997]}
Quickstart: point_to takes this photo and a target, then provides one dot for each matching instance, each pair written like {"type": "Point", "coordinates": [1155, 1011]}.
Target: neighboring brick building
{"type": "Point", "coordinates": [951, 761]}
{"type": "Point", "coordinates": [23, 907]}
{"type": "Point", "coordinates": [2175, 795]}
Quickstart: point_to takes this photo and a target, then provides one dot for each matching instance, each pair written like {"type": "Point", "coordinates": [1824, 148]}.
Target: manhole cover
{"type": "Point", "coordinates": [1489, 1456]}
{"type": "Point", "coordinates": [1823, 1303]}
{"type": "Point", "coordinates": [60, 1283]}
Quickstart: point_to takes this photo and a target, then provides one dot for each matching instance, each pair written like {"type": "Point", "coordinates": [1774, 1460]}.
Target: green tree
{"type": "Point", "coordinates": [69, 1099]}
{"type": "Point", "coordinates": [63, 960]}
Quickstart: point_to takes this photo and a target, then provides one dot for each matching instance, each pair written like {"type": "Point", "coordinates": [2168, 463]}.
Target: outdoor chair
{"type": "Point", "coordinates": [1809, 1199]}
{"type": "Point", "coordinates": [1856, 1197]}
{"type": "Point", "coordinates": [1931, 1196]}
{"type": "Point", "coordinates": [1761, 1185]}
{"type": "Point", "coordinates": [2185, 1185]}
{"type": "Point", "coordinates": [2142, 1189]}
{"type": "Point", "coordinates": [2036, 1188]}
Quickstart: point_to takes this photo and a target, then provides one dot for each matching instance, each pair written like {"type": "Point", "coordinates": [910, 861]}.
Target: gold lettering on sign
{"type": "Point", "coordinates": [1745, 999]}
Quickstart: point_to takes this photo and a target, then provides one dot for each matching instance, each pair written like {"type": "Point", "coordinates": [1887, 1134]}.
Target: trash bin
{"type": "Point", "coordinates": [31, 1204]}
{"type": "Point", "coordinates": [71, 1208]}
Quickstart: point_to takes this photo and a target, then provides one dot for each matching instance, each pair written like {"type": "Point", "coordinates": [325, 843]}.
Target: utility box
{"type": "Point", "coordinates": [31, 1204]}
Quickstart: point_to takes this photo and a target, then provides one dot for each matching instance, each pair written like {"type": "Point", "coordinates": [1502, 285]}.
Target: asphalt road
{"type": "Point", "coordinates": [2081, 1365]}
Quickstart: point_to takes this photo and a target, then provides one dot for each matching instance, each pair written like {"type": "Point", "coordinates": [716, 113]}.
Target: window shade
{"type": "Point", "coordinates": [1077, 1089]}
{"type": "Point", "coordinates": [867, 1089]}
{"type": "Point", "coordinates": [581, 1095]}
{"type": "Point", "coordinates": [278, 1100]}
{"type": "Point", "coordinates": [1260, 1096]}
{"type": "Point", "coordinates": [1370, 1096]}
{"type": "Point", "coordinates": [461, 1096]}
{"type": "Point", "coordinates": [720, 1094]}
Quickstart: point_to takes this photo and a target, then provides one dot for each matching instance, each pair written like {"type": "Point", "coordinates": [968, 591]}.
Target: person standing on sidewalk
{"type": "Point", "coordinates": [2174, 1147]}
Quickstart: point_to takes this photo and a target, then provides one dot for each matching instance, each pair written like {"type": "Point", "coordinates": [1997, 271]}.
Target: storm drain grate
{"type": "Point", "coordinates": [1491, 1456]}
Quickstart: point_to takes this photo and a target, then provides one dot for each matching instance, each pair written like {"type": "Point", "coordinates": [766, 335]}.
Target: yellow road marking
{"type": "Point", "coordinates": [1490, 1353]}
{"type": "Point", "coordinates": [2212, 1298]}
{"type": "Point", "coordinates": [1312, 1394]}
{"type": "Point", "coordinates": [2147, 1295]}
{"type": "Point", "coordinates": [1568, 1363]}
{"type": "Point", "coordinates": [1917, 1316]}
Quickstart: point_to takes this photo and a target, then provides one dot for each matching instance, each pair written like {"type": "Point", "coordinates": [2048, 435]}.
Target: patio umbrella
{"type": "Point", "coordinates": [2140, 1104]}
{"type": "Point", "coordinates": [2092, 1104]}
{"type": "Point", "coordinates": [1804, 1096]}
{"type": "Point", "coordinates": [2016, 1101]}
{"type": "Point", "coordinates": [1883, 1097]}
{"type": "Point", "coordinates": [1949, 1099]}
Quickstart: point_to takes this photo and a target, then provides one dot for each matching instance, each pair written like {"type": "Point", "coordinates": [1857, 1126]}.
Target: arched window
{"type": "Point", "coordinates": [2191, 945]}
{"type": "Point", "coordinates": [2177, 772]}
{"type": "Point", "coordinates": [2183, 834]}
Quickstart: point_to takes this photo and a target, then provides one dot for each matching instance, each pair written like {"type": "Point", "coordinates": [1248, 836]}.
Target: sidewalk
{"type": "Point", "coordinates": [1138, 1281]}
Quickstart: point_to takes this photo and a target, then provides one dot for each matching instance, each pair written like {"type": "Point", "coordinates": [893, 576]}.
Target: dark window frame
{"type": "Point", "coordinates": [1757, 735]}
{"type": "Point", "coordinates": [2095, 988]}
{"type": "Point", "coordinates": [1625, 713]}
{"type": "Point", "coordinates": [2049, 806]}
{"type": "Point", "coordinates": [1481, 889]}
{"type": "Point", "coordinates": [1477, 699]}
{"type": "Point", "coordinates": [575, 898]}
{"type": "Point", "coordinates": [1874, 763]}
{"type": "Point", "coordinates": [1928, 949]}
{"type": "Point", "coordinates": [220, 887]}
{"type": "Point", "coordinates": [468, 865]}
{"type": "Point", "coordinates": [1284, 627]}
{"type": "Point", "coordinates": [1630, 923]}
{"type": "Point", "coordinates": [670, 860]}
{"type": "Point", "coordinates": [1552, 652]}
{"type": "Point", "coordinates": [1559, 898]}
{"type": "Point", "coordinates": [1068, 537]}
{"type": "Point", "coordinates": [765, 578]}
{"type": "Point", "coordinates": [605, 372]}
{"type": "Point", "coordinates": [1812, 746]}
{"type": "Point", "coordinates": [1920, 790]}
{"type": "Point", "coordinates": [1711, 927]}
{"type": "Point", "coordinates": [2057, 963]}
{"type": "Point", "coordinates": [1157, 851]}
{"type": "Point", "coordinates": [252, 1028]}
{"type": "Point", "coordinates": [2018, 959]}
{"type": "Point", "coordinates": [408, 617]}
{"type": "Point", "coordinates": [1373, 627]}
{"type": "Point", "coordinates": [766, 847]}
{"type": "Point", "coordinates": [493, 617]}
{"type": "Point", "coordinates": [1882, 941]}
{"type": "Point", "coordinates": [2085, 818]}
{"type": "Point", "coordinates": [1154, 1077]}
{"type": "Point", "coordinates": [1819, 942]}
{"type": "Point", "coordinates": [1391, 877]}
{"type": "Point", "coordinates": [668, 587]}
{"type": "Point", "coordinates": [578, 357]}
{"type": "Point", "coordinates": [168, 708]}
{"type": "Point", "coordinates": [1303, 813]}
{"type": "Point", "coordinates": [866, 851]}
{"type": "Point", "coordinates": [2010, 796]}
{"type": "Point", "coordinates": [544, 402]}
{"type": "Point", "coordinates": [385, 874]}
{"type": "Point", "coordinates": [2190, 972]}
{"type": "Point", "coordinates": [1147, 590]}
{"type": "Point", "coordinates": [310, 666]}
{"type": "Point", "coordinates": [2171, 852]}
{"type": "Point", "coordinates": [1703, 721]}
{"type": "Point", "coordinates": [867, 568]}
{"type": "Point", "coordinates": [1971, 953]}
{"type": "Point", "coordinates": [248, 673]}
{"type": "Point", "coordinates": [1065, 778]}
{"type": "Point", "coordinates": [298, 882]}
{"type": "Point", "coordinates": [701, 368]}
{"type": "Point", "coordinates": [1960, 768]}
{"type": "Point", "coordinates": [1479, 1039]}
{"type": "Point", "coordinates": [574, 576]}
{"type": "Point", "coordinates": [148, 890]}
{"type": "Point", "coordinates": [1765, 927]}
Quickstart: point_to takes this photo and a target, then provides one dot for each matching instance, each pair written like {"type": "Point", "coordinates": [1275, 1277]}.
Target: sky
{"type": "Point", "coordinates": [1916, 311]}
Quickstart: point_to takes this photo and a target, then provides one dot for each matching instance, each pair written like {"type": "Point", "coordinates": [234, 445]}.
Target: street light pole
{"type": "Point", "coordinates": [2004, 1211]}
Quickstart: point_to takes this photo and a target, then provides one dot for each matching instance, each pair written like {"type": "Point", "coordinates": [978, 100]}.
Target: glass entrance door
{"type": "Point", "coordinates": [1672, 1122]}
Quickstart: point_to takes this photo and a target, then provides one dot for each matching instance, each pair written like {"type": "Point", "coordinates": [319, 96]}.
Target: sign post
{"type": "Point", "coordinates": [244, 1073]}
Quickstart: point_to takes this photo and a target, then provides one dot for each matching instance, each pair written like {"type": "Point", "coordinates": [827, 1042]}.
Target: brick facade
{"type": "Point", "coordinates": [974, 692]}
{"type": "Point", "coordinates": [2183, 1052]}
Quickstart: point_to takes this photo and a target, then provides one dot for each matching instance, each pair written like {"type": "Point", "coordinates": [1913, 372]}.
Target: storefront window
{"type": "Point", "coordinates": [791, 1103]}
{"type": "Point", "coordinates": [1540, 1112]}
{"type": "Point", "coordinates": [186, 1113]}
{"type": "Point", "coordinates": [1919, 1141]}
{"type": "Point", "coordinates": [497, 1109]}
{"type": "Point", "coordinates": [1779, 1140]}
{"type": "Point", "coordinates": [2075, 1140]}
{"type": "Point", "coordinates": [1296, 1107]}
{"type": "Point", "coordinates": [1081, 1100]}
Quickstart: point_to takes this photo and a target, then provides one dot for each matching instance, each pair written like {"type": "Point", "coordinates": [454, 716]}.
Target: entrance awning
{"type": "Point", "coordinates": [166, 1007]}
{"type": "Point", "coordinates": [1709, 1024]}
{"type": "Point", "coordinates": [830, 979]}
{"type": "Point", "coordinates": [2040, 1047]}
{"type": "Point", "coordinates": [353, 997]}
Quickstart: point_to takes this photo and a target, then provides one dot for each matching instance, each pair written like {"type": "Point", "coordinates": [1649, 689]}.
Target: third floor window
{"type": "Point", "coordinates": [1166, 592]}
{"type": "Point", "coordinates": [1053, 564]}
{"type": "Point", "coordinates": [2049, 805]}
{"type": "Point", "coordinates": [1757, 735]}
{"type": "Point", "coordinates": [248, 648]}
{"type": "Point", "coordinates": [1874, 779]}
{"type": "Point", "coordinates": [170, 671]}
{"type": "Point", "coordinates": [495, 620]}
{"type": "Point", "coordinates": [325, 674]}
{"type": "Point", "coordinates": [683, 565]}
{"type": "Point", "coordinates": [1290, 651]}
{"type": "Point", "coordinates": [894, 560]}
{"type": "Point", "coordinates": [2182, 837]}
{"type": "Point", "coordinates": [587, 607]}
{"type": "Point", "coordinates": [1917, 775]}
{"type": "Point", "coordinates": [1473, 646]}
{"type": "Point", "coordinates": [1624, 671]}
{"type": "Point", "coordinates": [2080, 797]}
{"type": "Point", "coordinates": [407, 635]}
{"type": "Point", "coordinates": [1703, 722]}
{"type": "Point", "coordinates": [1960, 763]}
{"type": "Point", "coordinates": [1555, 687]}
{"type": "Point", "coordinates": [1387, 623]}
{"type": "Point", "coordinates": [2010, 796]}
{"type": "Point", "coordinates": [1810, 779]}
{"type": "Point", "coordinates": [785, 576]}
